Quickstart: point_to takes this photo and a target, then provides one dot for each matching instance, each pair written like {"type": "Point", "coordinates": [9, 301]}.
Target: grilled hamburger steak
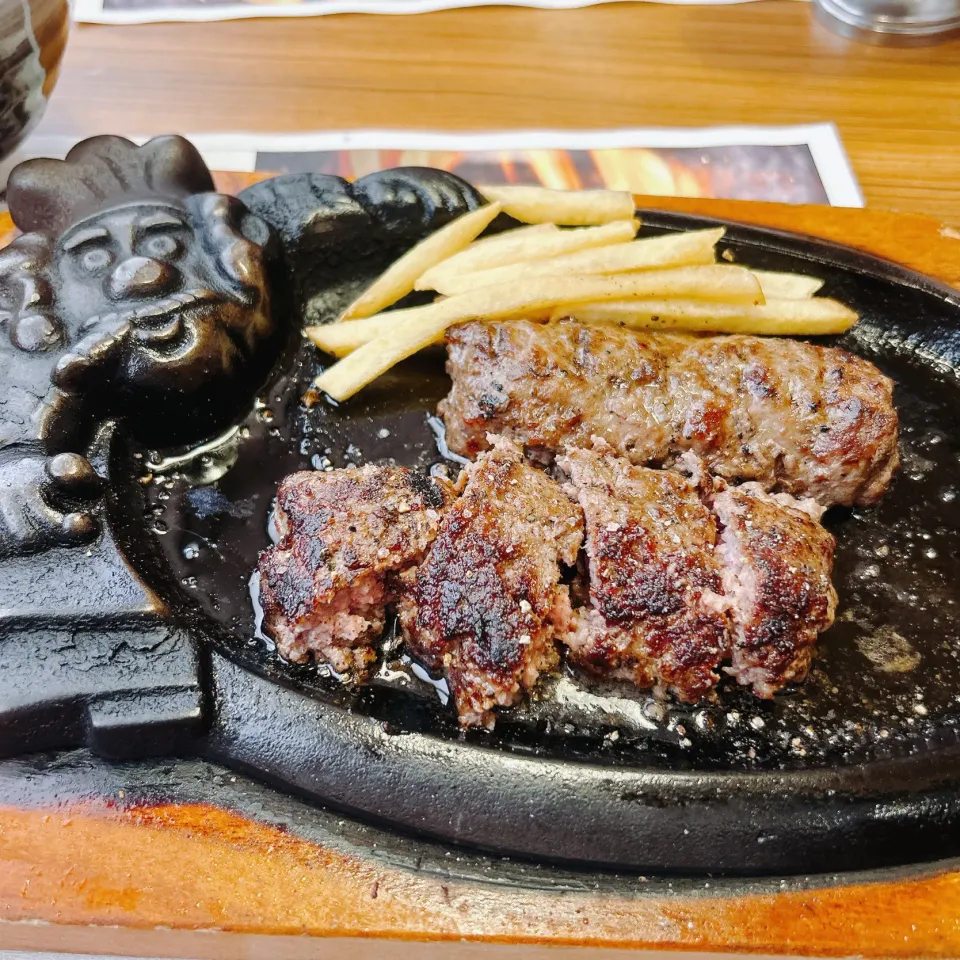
{"type": "Point", "coordinates": [684, 575]}
{"type": "Point", "coordinates": [487, 603]}
{"type": "Point", "coordinates": [346, 537]}
{"type": "Point", "coordinates": [811, 421]}
{"type": "Point", "coordinates": [777, 561]}
{"type": "Point", "coordinates": [655, 615]}
{"type": "Point", "coordinates": [687, 574]}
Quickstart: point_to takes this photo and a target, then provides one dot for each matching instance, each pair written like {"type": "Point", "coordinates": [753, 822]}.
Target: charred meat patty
{"type": "Point", "coordinates": [346, 539]}
{"type": "Point", "coordinates": [688, 574]}
{"type": "Point", "coordinates": [777, 562]}
{"type": "Point", "coordinates": [655, 615]}
{"type": "Point", "coordinates": [487, 605]}
{"type": "Point", "coordinates": [682, 575]}
{"type": "Point", "coordinates": [808, 420]}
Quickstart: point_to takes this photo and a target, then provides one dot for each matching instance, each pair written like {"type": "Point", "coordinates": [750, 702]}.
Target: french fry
{"type": "Point", "coordinates": [714, 282]}
{"type": "Point", "coordinates": [343, 338]}
{"type": "Point", "coordinates": [506, 236]}
{"type": "Point", "coordinates": [423, 326]}
{"type": "Point", "coordinates": [536, 298]}
{"type": "Point", "coordinates": [598, 274]}
{"type": "Point", "coordinates": [376, 357]}
{"type": "Point", "coordinates": [399, 279]}
{"type": "Point", "coordinates": [816, 316]}
{"type": "Point", "coordinates": [522, 245]}
{"type": "Point", "coordinates": [672, 250]}
{"type": "Point", "coordinates": [571, 208]}
{"type": "Point", "coordinates": [786, 286]}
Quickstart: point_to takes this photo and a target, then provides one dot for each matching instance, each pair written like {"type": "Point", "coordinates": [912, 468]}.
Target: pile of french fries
{"type": "Point", "coordinates": [595, 271]}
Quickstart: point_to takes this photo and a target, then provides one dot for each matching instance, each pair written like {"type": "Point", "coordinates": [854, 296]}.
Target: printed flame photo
{"type": "Point", "coordinates": [785, 174]}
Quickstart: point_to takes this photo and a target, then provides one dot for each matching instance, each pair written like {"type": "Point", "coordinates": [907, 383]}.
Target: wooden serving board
{"type": "Point", "coordinates": [106, 875]}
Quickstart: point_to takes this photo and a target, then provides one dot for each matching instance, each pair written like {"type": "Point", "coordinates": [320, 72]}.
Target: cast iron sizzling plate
{"type": "Point", "coordinates": [850, 768]}
{"type": "Point", "coordinates": [856, 768]}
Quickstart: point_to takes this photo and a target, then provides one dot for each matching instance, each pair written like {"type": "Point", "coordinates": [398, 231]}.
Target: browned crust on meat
{"type": "Point", "coordinates": [655, 614]}
{"type": "Point", "coordinates": [777, 565]}
{"type": "Point", "coordinates": [487, 603]}
{"type": "Point", "coordinates": [809, 420]}
{"type": "Point", "coordinates": [346, 537]}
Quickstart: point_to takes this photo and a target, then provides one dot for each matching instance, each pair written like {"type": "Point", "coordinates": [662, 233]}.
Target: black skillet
{"type": "Point", "coordinates": [856, 768]}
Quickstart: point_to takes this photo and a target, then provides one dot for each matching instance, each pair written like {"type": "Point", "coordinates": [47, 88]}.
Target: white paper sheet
{"type": "Point", "coordinates": [151, 11]}
{"type": "Point", "coordinates": [798, 164]}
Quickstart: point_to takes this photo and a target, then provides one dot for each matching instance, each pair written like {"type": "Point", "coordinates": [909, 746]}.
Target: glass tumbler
{"type": "Point", "coordinates": [891, 21]}
{"type": "Point", "coordinates": [33, 34]}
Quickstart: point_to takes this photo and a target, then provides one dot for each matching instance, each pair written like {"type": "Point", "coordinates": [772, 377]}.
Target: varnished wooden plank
{"type": "Point", "coordinates": [195, 867]}
{"type": "Point", "coordinates": [898, 110]}
{"type": "Point", "coordinates": [194, 945]}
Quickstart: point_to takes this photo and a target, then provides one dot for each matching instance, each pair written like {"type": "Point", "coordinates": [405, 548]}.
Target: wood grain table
{"type": "Point", "coordinates": [898, 110]}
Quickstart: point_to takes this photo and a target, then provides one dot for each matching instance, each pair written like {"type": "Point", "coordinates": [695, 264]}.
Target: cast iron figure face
{"type": "Point", "coordinates": [160, 296]}
{"type": "Point", "coordinates": [139, 293]}
{"type": "Point", "coordinates": [135, 295]}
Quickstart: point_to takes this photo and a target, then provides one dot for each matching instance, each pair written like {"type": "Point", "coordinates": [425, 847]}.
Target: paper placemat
{"type": "Point", "coordinates": [797, 164]}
